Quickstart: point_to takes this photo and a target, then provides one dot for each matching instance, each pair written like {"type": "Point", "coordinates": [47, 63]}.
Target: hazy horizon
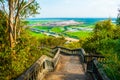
{"type": "Point", "coordinates": [77, 17]}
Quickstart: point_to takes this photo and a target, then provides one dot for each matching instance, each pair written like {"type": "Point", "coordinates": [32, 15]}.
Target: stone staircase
{"type": "Point", "coordinates": [66, 64]}
{"type": "Point", "coordinates": [68, 68]}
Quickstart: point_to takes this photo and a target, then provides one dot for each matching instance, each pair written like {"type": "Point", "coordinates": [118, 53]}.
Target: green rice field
{"type": "Point", "coordinates": [79, 34]}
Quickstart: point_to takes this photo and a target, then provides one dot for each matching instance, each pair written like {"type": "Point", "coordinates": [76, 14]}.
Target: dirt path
{"type": "Point", "coordinates": [71, 39]}
{"type": "Point", "coordinates": [69, 68]}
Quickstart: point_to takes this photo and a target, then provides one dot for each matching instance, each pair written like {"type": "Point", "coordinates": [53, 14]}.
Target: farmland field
{"type": "Point", "coordinates": [79, 34]}
{"type": "Point", "coordinates": [50, 25]}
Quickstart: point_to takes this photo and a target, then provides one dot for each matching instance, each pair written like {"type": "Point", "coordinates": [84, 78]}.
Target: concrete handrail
{"type": "Point", "coordinates": [40, 68]}
{"type": "Point", "coordinates": [96, 71]}
{"type": "Point", "coordinates": [86, 58]}
{"type": "Point", "coordinates": [46, 64]}
{"type": "Point", "coordinates": [56, 58]}
{"type": "Point", "coordinates": [37, 67]}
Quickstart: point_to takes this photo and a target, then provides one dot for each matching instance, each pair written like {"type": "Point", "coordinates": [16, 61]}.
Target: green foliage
{"type": "Point", "coordinates": [117, 33]}
{"type": "Point", "coordinates": [5, 58]}
{"type": "Point", "coordinates": [79, 34]}
{"type": "Point", "coordinates": [30, 10]}
{"type": "Point", "coordinates": [12, 65]}
{"type": "Point", "coordinates": [104, 25]}
{"type": "Point", "coordinates": [104, 29]}
{"type": "Point", "coordinates": [28, 50]}
{"type": "Point", "coordinates": [52, 41]}
{"type": "Point", "coordinates": [5, 65]}
{"type": "Point", "coordinates": [112, 66]}
{"type": "Point", "coordinates": [103, 32]}
{"type": "Point", "coordinates": [25, 52]}
{"type": "Point", "coordinates": [106, 41]}
{"type": "Point", "coordinates": [4, 37]}
{"type": "Point", "coordinates": [57, 29]}
{"type": "Point", "coordinates": [37, 35]}
{"type": "Point", "coordinates": [73, 45]}
{"type": "Point", "coordinates": [118, 19]}
{"type": "Point", "coordinates": [46, 28]}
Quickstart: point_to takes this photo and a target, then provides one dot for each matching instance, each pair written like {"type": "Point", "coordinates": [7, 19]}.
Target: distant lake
{"type": "Point", "coordinates": [85, 20]}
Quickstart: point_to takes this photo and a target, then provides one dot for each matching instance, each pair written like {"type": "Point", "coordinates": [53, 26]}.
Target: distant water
{"type": "Point", "coordinates": [85, 20]}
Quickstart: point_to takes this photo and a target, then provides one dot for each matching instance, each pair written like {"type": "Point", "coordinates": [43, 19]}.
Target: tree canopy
{"type": "Point", "coordinates": [15, 11]}
{"type": "Point", "coordinates": [118, 18]}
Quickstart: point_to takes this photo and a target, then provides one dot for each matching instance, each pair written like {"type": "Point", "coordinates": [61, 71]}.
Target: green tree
{"type": "Point", "coordinates": [16, 10]}
{"type": "Point", "coordinates": [118, 18]}
{"type": "Point", "coordinates": [104, 29]}
{"type": "Point", "coordinates": [103, 32]}
{"type": "Point", "coordinates": [105, 40]}
{"type": "Point", "coordinates": [3, 31]}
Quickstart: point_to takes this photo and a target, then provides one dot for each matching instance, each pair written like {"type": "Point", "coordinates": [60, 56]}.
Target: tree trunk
{"type": "Point", "coordinates": [11, 24]}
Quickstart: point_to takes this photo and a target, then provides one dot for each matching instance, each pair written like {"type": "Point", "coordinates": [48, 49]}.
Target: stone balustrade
{"type": "Point", "coordinates": [46, 64]}
{"type": "Point", "coordinates": [41, 67]}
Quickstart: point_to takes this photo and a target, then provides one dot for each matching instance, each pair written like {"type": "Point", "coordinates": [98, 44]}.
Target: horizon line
{"type": "Point", "coordinates": [73, 17]}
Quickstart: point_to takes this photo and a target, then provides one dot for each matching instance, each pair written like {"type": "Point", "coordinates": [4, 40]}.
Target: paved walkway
{"type": "Point", "coordinates": [68, 68]}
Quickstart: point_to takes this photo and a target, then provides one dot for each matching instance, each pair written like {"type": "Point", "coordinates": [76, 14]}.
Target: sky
{"type": "Point", "coordinates": [78, 8]}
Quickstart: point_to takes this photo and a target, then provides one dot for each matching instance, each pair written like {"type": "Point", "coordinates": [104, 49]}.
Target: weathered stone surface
{"type": "Point", "coordinates": [68, 68]}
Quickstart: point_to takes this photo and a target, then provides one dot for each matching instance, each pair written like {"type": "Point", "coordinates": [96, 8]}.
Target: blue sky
{"type": "Point", "coordinates": [78, 8]}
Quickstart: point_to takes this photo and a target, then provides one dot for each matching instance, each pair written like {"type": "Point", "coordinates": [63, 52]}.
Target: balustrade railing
{"type": "Point", "coordinates": [92, 62]}
{"type": "Point", "coordinates": [96, 70]}
{"type": "Point", "coordinates": [46, 64]}
{"type": "Point", "coordinates": [41, 67]}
